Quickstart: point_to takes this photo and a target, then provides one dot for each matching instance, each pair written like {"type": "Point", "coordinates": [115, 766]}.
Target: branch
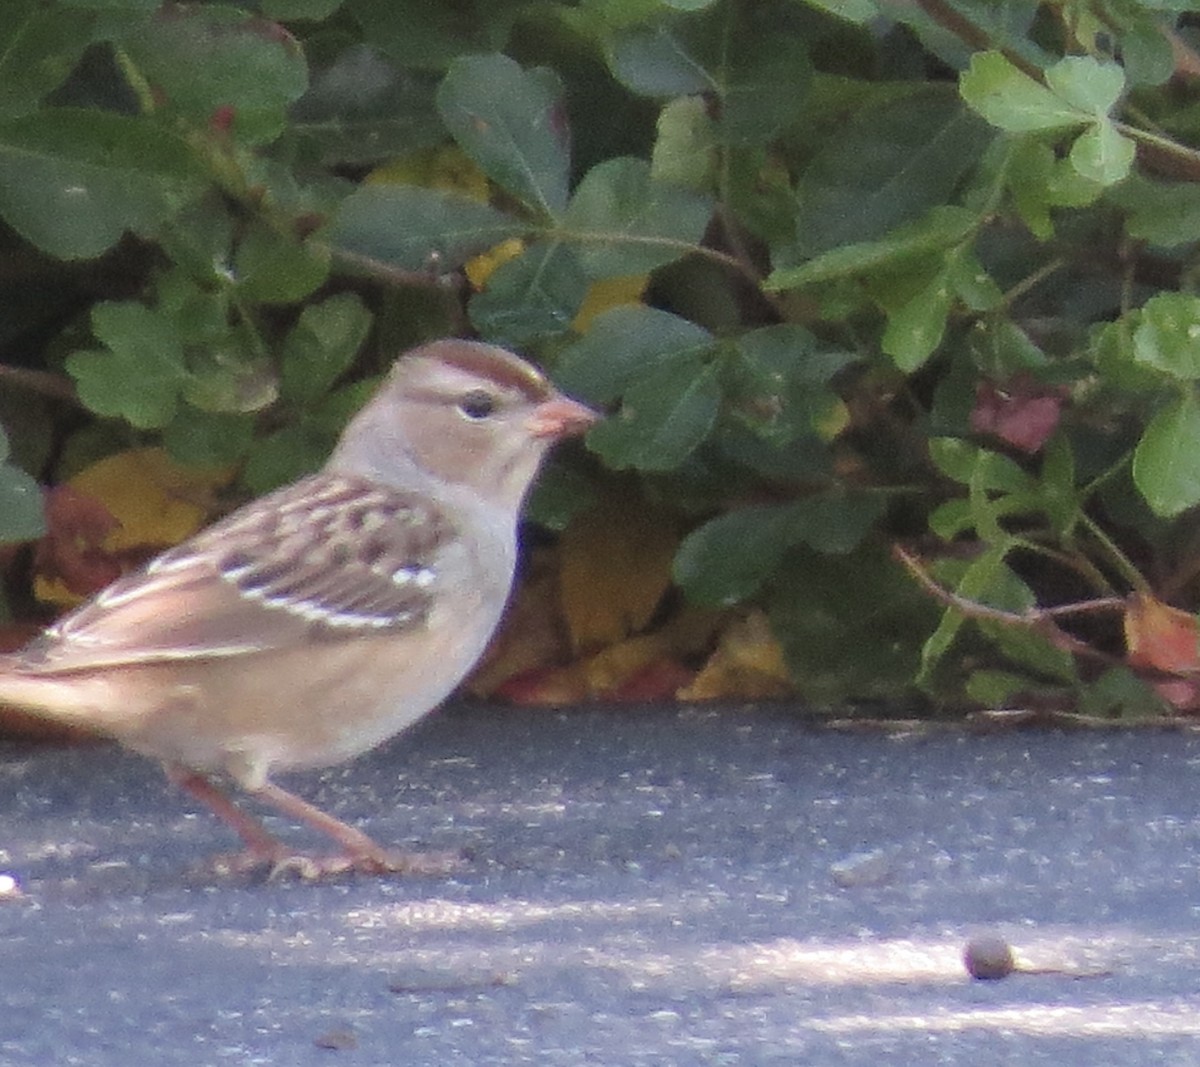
{"type": "Point", "coordinates": [1039, 619]}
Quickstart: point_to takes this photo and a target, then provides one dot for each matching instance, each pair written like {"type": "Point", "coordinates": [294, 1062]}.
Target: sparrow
{"type": "Point", "coordinates": [316, 622]}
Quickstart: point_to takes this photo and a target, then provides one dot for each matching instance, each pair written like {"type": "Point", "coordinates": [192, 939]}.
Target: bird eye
{"type": "Point", "coordinates": [477, 404]}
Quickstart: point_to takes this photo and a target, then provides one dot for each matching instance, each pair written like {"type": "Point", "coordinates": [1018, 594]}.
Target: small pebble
{"type": "Point", "coordinates": [988, 958]}
{"type": "Point", "coordinates": [337, 1040]}
{"type": "Point", "coordinates": [10, 888]}
{"type": "Point", "coordinates": [862, 869]}
{"type": "Point", "coordinates": [429, 980]}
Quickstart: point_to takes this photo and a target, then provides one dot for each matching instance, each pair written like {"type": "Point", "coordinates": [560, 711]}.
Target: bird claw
{"type": "Point", "coordinates": [383, 862]}
{"type": "Point", "coordinates": [285, 864]}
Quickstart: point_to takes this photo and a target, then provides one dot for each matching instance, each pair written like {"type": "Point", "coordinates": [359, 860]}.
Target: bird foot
{"type": "Point", "coordinates": [383, 862]}
{"type": "Point", "coordinates": [283, 864]}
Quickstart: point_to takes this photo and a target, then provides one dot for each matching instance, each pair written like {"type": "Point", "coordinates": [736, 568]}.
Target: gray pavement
{"type": "Point", "coordinates": [644, 887]}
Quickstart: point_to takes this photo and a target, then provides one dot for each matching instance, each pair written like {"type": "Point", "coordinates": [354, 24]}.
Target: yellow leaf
{"type": "Point", "coordinates": [747, 663]}
{"type": "Point", "coordinates": [443, 167]}
{"type": "Point", "coordinates": [613, 665]}
{"type": "Point", "coordinates": [608, 293]}
{"type": "Point", "coordinates": [616, 565]}
{"type": "Point", "coordinates": [479, 269]}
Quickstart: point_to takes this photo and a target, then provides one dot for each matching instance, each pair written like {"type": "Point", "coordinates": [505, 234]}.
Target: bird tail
{"type": "Point", "coordinates": [48, 696]}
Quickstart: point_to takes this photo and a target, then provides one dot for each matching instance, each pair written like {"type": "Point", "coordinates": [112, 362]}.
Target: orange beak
{"type": "Point", "coordinates": [560, 417]}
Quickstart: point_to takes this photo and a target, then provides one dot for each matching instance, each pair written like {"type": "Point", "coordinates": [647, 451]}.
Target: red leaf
{"type": "Point", "coordinates": [1024, 412]}
{"type": "Point", "coordinates": [1160, 637]}
{"type": "Point", "coordinates": [655, 682]}
{"type": "Point", "coordinates": [72, 548]}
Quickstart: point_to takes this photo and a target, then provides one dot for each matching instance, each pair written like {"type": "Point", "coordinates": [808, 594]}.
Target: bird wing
{"type": "Point", "coordinates": [328, 556]}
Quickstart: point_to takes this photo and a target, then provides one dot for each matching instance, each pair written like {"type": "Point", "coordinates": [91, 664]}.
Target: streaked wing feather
{"type": "Point", "coordinates": [328, 556]}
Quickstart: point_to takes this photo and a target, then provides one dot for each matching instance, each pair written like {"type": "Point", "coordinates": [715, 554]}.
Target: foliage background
{"type": "Point", "coordinates": [893, 305]}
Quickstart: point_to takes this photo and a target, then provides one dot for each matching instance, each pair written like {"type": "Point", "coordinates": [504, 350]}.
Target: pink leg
{"type": "Point", "coordinates": [262, 846]}
{"type": "Point", "coordinates": [358, 851]}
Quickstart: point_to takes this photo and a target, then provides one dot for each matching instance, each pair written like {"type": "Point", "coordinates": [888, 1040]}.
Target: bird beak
{"type": "Point", "coordinates": [560, 417]}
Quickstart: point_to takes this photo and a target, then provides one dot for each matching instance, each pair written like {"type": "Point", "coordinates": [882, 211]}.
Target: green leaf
{"type": "Point", "coordinates": [1111, 350]}
{"type": "Point", "coordinates": [362, 109]}
{"type": "Point", "coordinates": [321, 346]}
{"type": "Point", "coordinates": [1032, 650]}
{"type": "Point", "coordinates": [73, 181]}
{"type": "Point", "coordinates": [1146, 52]}
{"type": "Point", "coordinates": [1168, 335]}
{"type": "Point", "coordinates": [1061, 500]}
{"type": "Point", "coordinates": [915, 329]}
{"type": "Point", "coordinates": [658, 61]}
{"type": "Point", "coordinates": [204, 59]}
{"type": "Point", "coordinates": [1040, 181]}
{"type": "Point", "coordinates": [21, 516]}
{"type": "Point", "coordinates": [39, 46]}
{"type": "Point", "coordinates": [414, 228]}
{"type": "Point", "coordinates": [287, 10]}
{"type": "Point", "coordinates": [625, 344]}
{"type": "Point", "coordinates": [785, 379]}
{"type": "Point", "coordinates": [791, 354]}
{"type": "Point", "coordinates": [1000, 350]}
{"type": "Point", "coordinates": [141, 374]}
{"type": "Point", "coordinates": [533, 296]}
{"type": "Point", "coordinates": [284, 456]}
{"type": "Point", "coordinates": [764, 78]}
{"type": "Point", "coordinates": [984, 580]}
{"type": "Point", "coordinates": [1120, 692]}
{"type": "Point", "coordinates": [752, 58]}
{"type": "Point", "coordinates": [888, 165]}
{"type": "Point", "coordinates": [685, 149]}
{"type": "Point", "coordinates": [729, 558]}
{"type": "Point", "coordinates": [942, 228]}
{"type": "Point", "coordinates": [1013, 101]}
{"type": "Point", "coordinates": [1086, 83]}
{"type": "Point", "coordinates": [512, 123]}
{"type": "Point", "coordinates": [995, 689]}
{"type": "Point", "coordinates": [276, 268]}
{"type": "Point", "coordinates": [974, 286]}
{"type": "Point", "coordinates": [860, 12]}
{"type": "Point", "coordinates": [424, 35]}
{"type": "Point", "coordinates": [233, 379]}
{"type": "Point", "coordinates": [1165, 465]}
{"type": "Point", "coordinates": [1102, 155]}
{"type": "Point", "coordinates": [1163, 213]}
{"type": "Point", "coordinates": [559, 494]}
{"type": "Point", "coordinates": [208, 439]}
{"type": "Point", "coordinates": [850, 626]}
{"type": "Point", "coordinates": [627, 223]}
{"type": "Point", "coordinates": [664, 416]}
{"type": "Point", "coordinates": [967, 463]}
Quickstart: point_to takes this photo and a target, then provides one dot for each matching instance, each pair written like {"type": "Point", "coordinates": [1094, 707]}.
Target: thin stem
{"type": "Point", "coordinates": [425, 279]}
{"type": "Point", "coordinates": [44, 383]}
{"type": "Point", "coordinates": [1106, 474]}
{"type": "Point", "coordinates": [1081, 565]}
{"type": "Point", "coordinates": [713, 255]}
{"type": "Point", "coordinates": [1039, 619]}
{"type": "Point", "coordinates": [136, 81]}
{"type": "Point", "coordinates": [1164, 144]}
{"type": "Point", "coordinates": [1118, 558]}
{"type": "Point", "coordinates": [1031, 281]}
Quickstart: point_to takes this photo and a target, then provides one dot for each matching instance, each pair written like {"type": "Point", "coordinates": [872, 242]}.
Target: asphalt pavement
{"type": "Point", "coordinates": [641, 887]}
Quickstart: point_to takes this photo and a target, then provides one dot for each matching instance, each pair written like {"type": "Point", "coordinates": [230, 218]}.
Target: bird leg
{"type": "Point", "coordinates": [262, 847]}
{"type": "Point", "coordinates": [357, 851]}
